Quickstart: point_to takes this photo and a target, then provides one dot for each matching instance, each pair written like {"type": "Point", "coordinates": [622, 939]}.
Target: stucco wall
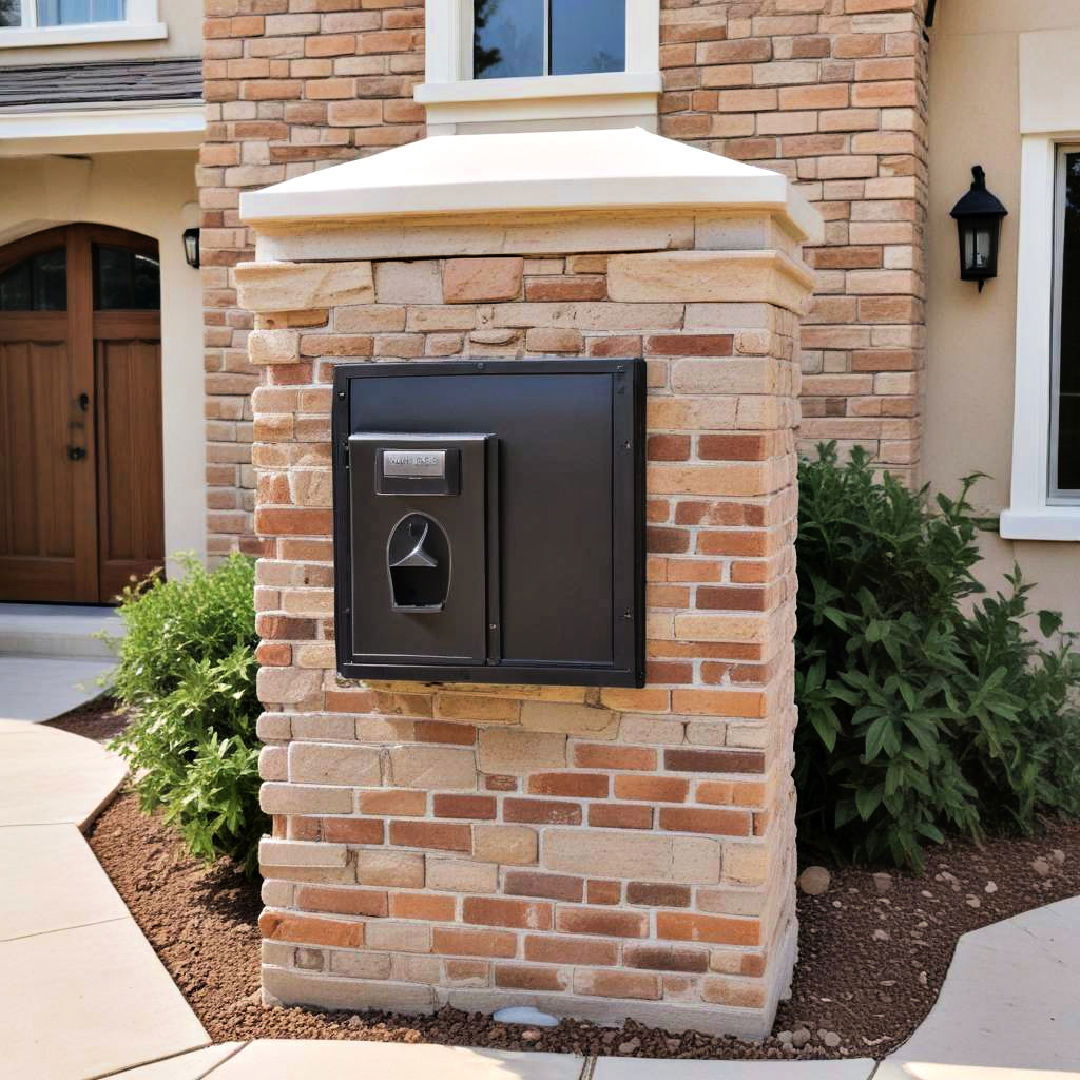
{"type": "Point", "coordinates": [974, 119]}
{"type": "Point", "coordinates": [153, 194]}
{"type": "Point", "coordinates": [183, 17]}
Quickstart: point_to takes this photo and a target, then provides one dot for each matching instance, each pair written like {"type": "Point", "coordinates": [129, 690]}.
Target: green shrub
{"type": "Point", "coordinates": [187, 668]}
{"type": "Point", "coordinates": [922, 709]}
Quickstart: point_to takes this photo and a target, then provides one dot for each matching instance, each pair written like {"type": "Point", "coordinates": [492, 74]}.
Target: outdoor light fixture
{"type": "Point", "coordinates": [191, 247]}
{"type": "Point", "coordinates": [978, 215]}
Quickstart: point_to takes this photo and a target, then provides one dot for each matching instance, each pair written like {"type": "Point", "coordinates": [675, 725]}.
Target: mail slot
{"type": "Point", "coordinates": [489, 521]}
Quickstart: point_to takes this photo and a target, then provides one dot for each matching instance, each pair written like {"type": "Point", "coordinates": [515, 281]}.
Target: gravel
{"type": "Point", "coordinates": [100, 720]}
{"type": "Point", "coordinates": [871, 964]}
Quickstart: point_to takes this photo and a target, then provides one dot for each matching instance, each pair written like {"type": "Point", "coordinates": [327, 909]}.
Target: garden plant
{"type": "Point", "coordinates": [926, 706]}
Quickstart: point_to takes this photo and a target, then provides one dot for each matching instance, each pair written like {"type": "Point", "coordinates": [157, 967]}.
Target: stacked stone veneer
{"type": "Point", "coordinates": [831, 92]}
{"type": "Point", "coordinates": [600, 853]}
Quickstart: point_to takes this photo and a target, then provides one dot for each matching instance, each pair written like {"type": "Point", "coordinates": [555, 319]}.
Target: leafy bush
{"type": "Point", "coordinates": [187, 668]}
{"type": "Point", "coordinates": [922, 710]}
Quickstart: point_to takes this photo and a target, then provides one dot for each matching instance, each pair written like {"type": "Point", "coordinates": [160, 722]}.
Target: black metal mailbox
{"type": "Point", "coordinates": [489, 521]}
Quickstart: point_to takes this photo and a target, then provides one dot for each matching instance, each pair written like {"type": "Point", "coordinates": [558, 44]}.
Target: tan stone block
{"type": "Point", "coordinates": [470, 281]}
{"type": "Point", "coordinates": [301, 286]}
{"type": "Point", "coordinates": [553, 716]}
{"type": "Point", "coordinates": [433, 767]}
{"type": "Point", "coordinates": [650, 731]}
{"type": "Point", "coordinates": [399, 869]}
{"type": "Point", "coordinates": [294, 799]}
{"type": "Point", "coordinates": [591, 316]}
{"type": "Point", "coordinates": [292, 988]}
{"type": "Point", "coordinates": [514, 752]}
{"type": "Point", "coordinates": [710, 277]}
{"type": "Point", "coordinates": [509, 845]}
{"type": "Point", "coordinates": [318, 655]}
{"type": "Point", "coordinates": [369, 319]}
{"type": "Point", "coordinates": [274, 853]}
{"type": "Point", "coordinates": [408, 283]}
{"type": "Point", "coordinates": [334, 764]}
{"type": "Point", "coordinates": [398, 937]}
{"type": "Point", "coordinates": [632, 855]}
{"type": "Point", "coordinates": [273, 346]}
{"type": "Point", "coordinates": [746, 864]}
{"type": "Point", "coordinates": [750, 377]}
{"type": "Point", "coordinates": [360, 964]}
{"type": "Point", "coordinates": [286, 686]}
{"type": "Point", "coordinates": [459, 876]}
{"type": "Point", "coordinates": [742, 628]}
{"type": "Point", "coordinates": [311, 487]}
{"type": "Point", "coordinates": [274, 763]}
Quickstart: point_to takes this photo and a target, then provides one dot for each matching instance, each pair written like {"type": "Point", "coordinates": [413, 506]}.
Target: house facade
{"type": "Point", "coordinates": [590, 180]}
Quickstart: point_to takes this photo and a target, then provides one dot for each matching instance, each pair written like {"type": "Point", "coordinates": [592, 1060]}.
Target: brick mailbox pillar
{"type": "Point", "coordinates": [599, 853]}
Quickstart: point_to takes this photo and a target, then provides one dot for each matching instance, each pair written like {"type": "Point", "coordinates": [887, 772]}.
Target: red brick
{"type": "Point", "coordinates": [625, 924]}
{"type": "Point", "coordinates": [617, 816]}
{"type": "Point", "coordinates": [520, 914]}
{"type": "Point", "coordinates": [665, 958]}
{"type": "Point", "coordinates": [426, 906]}
{"type": "Point", "coordinates": [427, 834]}
{"type": "Point", "coordinates": [617, 984]}
{"type": "Point", "coordinates": [277, 926]}
{"type": "Point", "coordinates": [523, 977]}
{"type": "Point", "coordinates": [689, 345]}
{"type": "Point", "coordinates": [571, 784]}
{"type": "Point", "coordinates": [603, 892]}
{"type": "Point", "coordinates": [390, 801]}
{"type": "Point", "coordinates": [722, 761]}
{"type": "Point", "coordinates": [353, 830]}
{"type": "Point", "coordinates": [549, 886]}
{"type": "Point", "coordinates": [464, 806]}
{"type": "Point", "coordinates": [657, 895]}
{"type": "Point", "coordinates": [652, 788]}
{"type": "Point", "coordinates": [557, 950]}
{"type": "Point", "coordinates": [369, 902]}
{"type": "Point", "coordinates": [494, 943]}
{"type": "Point", "coordinates": [602, 756]}
{"type": "Point", "coordinates": [716, 929]}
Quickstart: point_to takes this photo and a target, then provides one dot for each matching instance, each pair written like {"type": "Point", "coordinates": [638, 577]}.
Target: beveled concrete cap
{"type": "Point", "coordinates": [532, 171]}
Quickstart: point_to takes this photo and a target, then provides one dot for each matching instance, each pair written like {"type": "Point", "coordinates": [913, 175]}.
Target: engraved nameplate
{"type": "Point", "coordinates": [419, 463]}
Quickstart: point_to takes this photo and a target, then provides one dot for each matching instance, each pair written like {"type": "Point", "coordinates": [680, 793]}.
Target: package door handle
{"type": "Point", "coordinates": [76, 453]}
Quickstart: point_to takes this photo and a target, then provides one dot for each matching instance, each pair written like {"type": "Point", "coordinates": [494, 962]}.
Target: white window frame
{"type": "Point", "coordinates": [1049, 121]}
{"type": "Point", "coordinates": [456, 101]}
{"type": "Point", "coordinates": [140, 23]}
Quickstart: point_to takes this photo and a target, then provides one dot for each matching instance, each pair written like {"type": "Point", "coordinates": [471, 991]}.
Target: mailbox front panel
{"type": "Point", "coordinates": [533, 474]}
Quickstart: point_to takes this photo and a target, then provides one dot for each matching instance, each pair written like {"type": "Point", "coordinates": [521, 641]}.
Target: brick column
{"type": "Point", "coordinates": [598, 853]}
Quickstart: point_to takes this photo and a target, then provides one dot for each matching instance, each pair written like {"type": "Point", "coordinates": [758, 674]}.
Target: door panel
{"type": "Point", "coordinates": [80, 415]}
{"type": "Point", "coordinates": [131, 534]}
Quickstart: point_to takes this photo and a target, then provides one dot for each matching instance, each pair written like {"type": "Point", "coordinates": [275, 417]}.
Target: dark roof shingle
{"type": "Point", "coordinates": [103, 81]}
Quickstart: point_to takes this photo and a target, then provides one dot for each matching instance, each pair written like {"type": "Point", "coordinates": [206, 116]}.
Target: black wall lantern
{"type": "Point", "coordinates": [978, 215]}
{"type": "Point", "coordinates": [191, 247]}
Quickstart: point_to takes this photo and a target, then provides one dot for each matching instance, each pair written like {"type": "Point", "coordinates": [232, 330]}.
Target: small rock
{"type": "Point", "coordinates": [923, 978]}
{"type": "Point", "coordinates": [800, 1037]}
{"type": "Point", "coordinates": [991, 887]}
{"type": "Point", "coordinates": [880, 935]}
{"type": "Point", "coordinates": [831, 1040]}
{"type": "Point", "coordinates": [531, 1035]}
{"type": "Point", "coordinates": [883, 883]}
{"type": "Point", "coordinates": [783, 1036]}
{"type": "Point", "coordinates": [630, 1046]}
{"type": "Point", "coordinates": [1041, 867]}
{"type": "Point", "coordinates": [355, 1022]}
{"type": "Point", "coordinates": [973, 902]}
{"type": "Point", "coordinates": [815, 880]}
{"type": "Point", "coordinates": [1058, 856]}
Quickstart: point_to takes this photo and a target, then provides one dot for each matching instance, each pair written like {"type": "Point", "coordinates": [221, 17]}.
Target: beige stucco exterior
{"type": "Point", "coordinates": [975, 119]}
{"type": "Point", "coordinates": [182, 17]}
{"type": "Point", "coordinates": [153, 194]}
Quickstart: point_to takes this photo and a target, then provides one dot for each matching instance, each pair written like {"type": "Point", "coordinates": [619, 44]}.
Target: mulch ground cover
{"type": "Point", "coordinates": [100, 720]}
{"type": "Point", "coordinates": [873, 953]}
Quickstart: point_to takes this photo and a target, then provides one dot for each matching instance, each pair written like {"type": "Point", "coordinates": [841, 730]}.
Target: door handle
{"type": "Point", "coordinates": [84, 401]}
{"type": "Point", "coordinates": [76, 453]}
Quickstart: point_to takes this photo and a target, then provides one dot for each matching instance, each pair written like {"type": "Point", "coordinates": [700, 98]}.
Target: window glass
{"type": "Point", "coordinates": [1067, 376]}
{"type": "Point", "coordinates": [125, 280]}
{"type": "Point", "coordinates": [10, 13]}
{"type": "Point", "coordinates": [38, 283]}
{"type": "Point", "coordinates": [509, 38]}
{"type": "Point", "coordinates": [64, 12]}
{"type": "Point", "coordinates": [587, 36]}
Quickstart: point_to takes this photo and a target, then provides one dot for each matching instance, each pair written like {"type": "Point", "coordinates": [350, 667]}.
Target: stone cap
{"type": "Point", "coordinates": [530, 171]}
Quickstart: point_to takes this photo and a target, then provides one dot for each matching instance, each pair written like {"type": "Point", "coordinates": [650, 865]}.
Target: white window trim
{"type": "Point", "coordinates": [140, 24]}
{"type": "Point", "coordinates": [452, 96]}
{"type": "Point", "coordinates": [1049, 118]}
{"type": "Point", "coordinates": [97, 129]}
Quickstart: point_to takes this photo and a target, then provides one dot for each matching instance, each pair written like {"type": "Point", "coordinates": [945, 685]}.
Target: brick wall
{"type": "Point", "coordinates": [831, 92]}
{"type": "Point", "coordinates": [602, 853]}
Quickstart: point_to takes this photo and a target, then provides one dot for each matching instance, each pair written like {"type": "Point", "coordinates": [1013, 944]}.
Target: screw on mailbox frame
{"type": "Point", "coordinates": [493, 626]}
{"type": "Point", "coordinates": [628, 614]}
{"type": "Point", "coordinates": [341, 395]}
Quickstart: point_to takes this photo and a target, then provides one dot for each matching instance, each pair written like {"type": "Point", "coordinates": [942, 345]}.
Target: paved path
{"type": "Point", "coordinates": [49, 659]}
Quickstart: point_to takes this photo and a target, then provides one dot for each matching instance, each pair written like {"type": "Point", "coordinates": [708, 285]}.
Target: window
{"type": "Point", "coordinates": [1065, 376]}
{"type": "Point", "coordinates": [515, 38]}
{"type": "Point", "coordinates": [125, 280]}
{"type": "Point", "coordinates": [508, 65]}
{"type": "Point", "coordinates": [26, 23]}
{"type": "Point", "coordinates": [38, 283]}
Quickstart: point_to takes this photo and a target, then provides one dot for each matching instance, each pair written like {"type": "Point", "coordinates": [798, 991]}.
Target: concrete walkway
{"type": "Point", "coordinates": [49, 659]}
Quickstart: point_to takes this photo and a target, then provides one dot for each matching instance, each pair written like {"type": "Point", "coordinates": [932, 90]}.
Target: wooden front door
{"type": "Point", "coordinates": [80, 414]}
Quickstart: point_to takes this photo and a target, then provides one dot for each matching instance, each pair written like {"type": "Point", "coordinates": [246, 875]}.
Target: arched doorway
{"type": "Point", "coordinates": [80, 414]}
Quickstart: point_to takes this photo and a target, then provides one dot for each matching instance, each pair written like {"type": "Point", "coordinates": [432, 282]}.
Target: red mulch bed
{"type": "Point", "coordinates": [870, 964]}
